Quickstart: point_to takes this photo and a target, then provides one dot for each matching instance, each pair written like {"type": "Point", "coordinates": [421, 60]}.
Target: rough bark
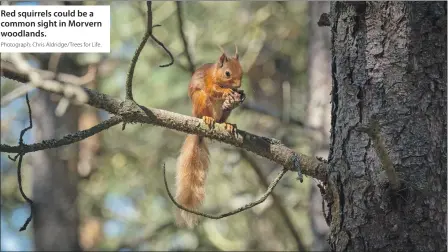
{"type": "Point", "coordinates": [388, 66]}
{"type": "Point", "coordinates": [56, 220]}
{"type": "Point", "coordinates": [319, 85]}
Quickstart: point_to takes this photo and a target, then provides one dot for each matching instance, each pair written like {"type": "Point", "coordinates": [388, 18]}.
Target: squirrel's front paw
{"type": "Point", "coordinates": [233, 100]}
{"type": "Point", "coordinates": [227, 93]}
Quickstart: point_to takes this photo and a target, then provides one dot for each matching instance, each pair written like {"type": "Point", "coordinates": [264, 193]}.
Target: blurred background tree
{"type": "Point", "coordinates": [118, 187]}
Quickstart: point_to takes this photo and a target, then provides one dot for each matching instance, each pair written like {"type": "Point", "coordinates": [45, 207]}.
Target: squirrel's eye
{"type": "Point", "coordinates": [227, 73]}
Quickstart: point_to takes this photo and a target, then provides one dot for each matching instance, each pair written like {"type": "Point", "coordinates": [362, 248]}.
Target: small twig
{"type": "Point", "coordinates": [53, 65]}
{"type": "Point", "coordinates": [243, 208]}
{"type": "Point", "coordinates": [66, 140]}
{"type": "Point", "coordinates": [166, 50]}
{"type": "Point", "coordinates": [30, 118]}
{"type": "Point", "coordinates": [14, 94]}
{"type": "Point", "coordinates": [134, 60]}
{"type": "Point", "coordinates": [184, 38]}
{"type": "Point", "coordinates": [277, 201]}
{"type": "Point", "coordinates": [176, 63]}
{"type": "Point", "coordinates": [30, 202]}
{"type": "Point", "coordinates": [62, 107]}
{"type": "Point", "coordinates": [19, 165]}
{"type": "Point", "coordinates": [150, 26]}
{"type": "Point", "coordinates": [13, 158]}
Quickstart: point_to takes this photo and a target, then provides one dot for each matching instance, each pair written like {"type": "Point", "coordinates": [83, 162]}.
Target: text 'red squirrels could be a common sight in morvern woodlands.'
{"type": "Point", "coordinates": [41, 23]}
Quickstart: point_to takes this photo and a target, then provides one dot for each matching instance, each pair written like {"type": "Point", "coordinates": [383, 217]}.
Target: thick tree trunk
{"type": "Point", "coordinates": [319, 86]}
{"type": "Point", "coordinates": [55, 178]}
{"type": "Point", "coordinates": [389, 66]}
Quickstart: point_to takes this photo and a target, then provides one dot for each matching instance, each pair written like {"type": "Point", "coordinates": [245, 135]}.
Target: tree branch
{"type": "Point", "coordinates": [262, 146]}
{"type": "Point", "coordinates": [14, 94]}
{"type": "Point", "coordinates": [184, 38]}
{"type": "Point", "coordinates": [9, 69]}
{"type": "Point", "coordinates": [66, 140]}
{"type": "Point", "coordinates": [23, 70]}
{"type": "Point", "coordinates": [137, 53]}
{"type": "Point", "coordinates": [155, 40]}
{"type": "Point", "coordinates": [134, 60]}
{"type": "Point", "coordinates": [165, 49]}
{"type": "Point", "coordinates": [233, 212]}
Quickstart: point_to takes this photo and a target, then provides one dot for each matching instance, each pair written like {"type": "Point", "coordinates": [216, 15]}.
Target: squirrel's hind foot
{"type": "Point", "coordinates": [231, 128]}
{"type": "Point", "coordinates": [209, 121]}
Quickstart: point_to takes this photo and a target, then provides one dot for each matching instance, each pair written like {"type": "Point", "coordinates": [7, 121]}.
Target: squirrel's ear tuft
{"type": "Point", "coordinates": [236, 52]}
{"type": "Point", "coordinates": [222, 59]}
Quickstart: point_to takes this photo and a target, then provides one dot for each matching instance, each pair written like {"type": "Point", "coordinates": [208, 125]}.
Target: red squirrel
{"type": "Point", "coordinates": [213, 90]}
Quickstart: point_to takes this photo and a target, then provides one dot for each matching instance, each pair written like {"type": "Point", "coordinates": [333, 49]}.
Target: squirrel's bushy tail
{"type": "Point", "coordinates": [192, 166]}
